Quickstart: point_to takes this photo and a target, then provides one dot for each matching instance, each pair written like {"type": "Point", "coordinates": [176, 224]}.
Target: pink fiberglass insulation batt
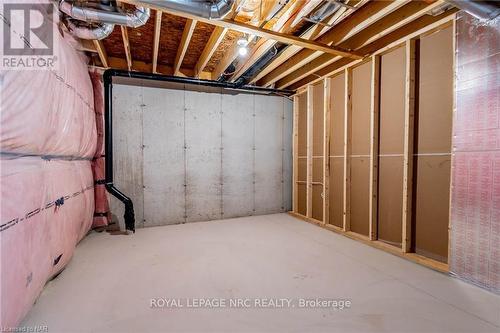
{"type": "Point", "coordinates": [47, 141]}
{"type": "Point", "coordinates": [102, 214]}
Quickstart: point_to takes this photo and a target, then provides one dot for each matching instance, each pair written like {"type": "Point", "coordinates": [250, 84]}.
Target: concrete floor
{"type": "Point", "coordinates": [108, 285]}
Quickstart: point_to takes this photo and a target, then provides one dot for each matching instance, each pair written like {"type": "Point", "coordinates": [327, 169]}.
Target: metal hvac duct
{"type": "Point", "coordinates": [324, 11]}
{"type": "Point", "coordinates": [93, 15]}
{"type": "Point", "coordinates": [481, 9]}
{"type": "Point", "coordinates": [208, 9]}
{"type": "Point", "coordinates": [98, 32]}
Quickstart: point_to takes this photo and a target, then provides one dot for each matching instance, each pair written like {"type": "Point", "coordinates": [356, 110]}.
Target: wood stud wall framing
{"type": "Point", "coordinates": [408, 143]}
{"type": "Point", "coordinates": [374, 125]}
{"type": "Point", "coordinates": [406, 247]}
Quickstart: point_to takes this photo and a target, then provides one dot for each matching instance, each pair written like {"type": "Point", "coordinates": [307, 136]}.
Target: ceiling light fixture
{"type": "Point", "coordinates": [242, 46]}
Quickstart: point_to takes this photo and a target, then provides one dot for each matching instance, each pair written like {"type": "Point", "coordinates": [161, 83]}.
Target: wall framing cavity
{"type": "Point", "coordinates": [376, 118]}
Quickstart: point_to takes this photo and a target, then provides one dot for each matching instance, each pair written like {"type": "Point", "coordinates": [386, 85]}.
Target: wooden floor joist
{"type": "Point", "coordinates": [362, 18]}
{"type": "Point", "coordinates": [156, 41]}
{"type": "Point", "coordinates": [214, 41]}
{"type": "Point", "coordinates": [257, 31]}
{"type": "Point", "coordinates": [184, 43]}
{"type": "Point", "coordinates": [415, 28]}
{"type": "Point", "coordinates": [389, 23]}
{"type": "Point", "coordinates": [126, 46]}
{"type": "Point", "coordinates": [101, 51]}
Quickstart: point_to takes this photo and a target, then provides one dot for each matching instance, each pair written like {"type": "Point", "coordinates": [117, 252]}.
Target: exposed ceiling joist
{"type": "Point", "coordinates": [289, 10]}
{"type": "Point", "coordinates": [360, 19]}
{"type": "Point", "coordinates": [400, 17]}
{"type": "Point", "coordinates": [314, 33]}
{"type": "Point", "coordinates": [282, 25]}
{"type": "Point", "coordinates": [410, 30]}
{"type": "Point", "coordinates": [310, 34]}
{"type": "Point", "coordinates": [101, 51]}
{"type": "Point", "coordinates": [261, 32]}
{"type": "Point", "coordinates": [86, 45]}
{"type": "Point", "coordinates": [184, 43]}
{"type": "Point", "coordinates": [214, 41]}
{"type": "Point", "coordinates": [288, 39]}
{"type": "Point", "coordinates": [156, 41]}
{"type": "Point", "coordinates": [119, 63]}
{"type": "Point", "coordinates": [126, 46]}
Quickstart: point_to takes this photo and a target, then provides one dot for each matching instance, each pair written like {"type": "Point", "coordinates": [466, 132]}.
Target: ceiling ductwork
{"type": "Point", "coordinates": [96, 20]}
{"type": "Point", "coordinates": [208, 9]}
{"type": "Point", "coordinates": [110, 14]}
{"type": "Point", "coordinates": [96, 32]}
{"type": "Point", "coordinates": [486, 10]}
{"type": "Point", "coordinates": [325, 10]}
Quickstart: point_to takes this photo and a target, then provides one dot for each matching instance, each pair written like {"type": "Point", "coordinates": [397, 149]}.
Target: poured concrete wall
{"type": "Point", "coordinates": [186, 155]}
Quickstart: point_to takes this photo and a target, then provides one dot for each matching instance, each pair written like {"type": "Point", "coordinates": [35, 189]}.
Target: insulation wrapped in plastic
{"type": "Point", "coordinates": [47, 207]}
{"type": "Point", "coordinates": [102, 214]}
{"type": "Point", "coordinates": [475, 196]}
{"type": "Point", "coordinates": [47, 140]}
{"type": "Point", "coordinates": [49, 112]}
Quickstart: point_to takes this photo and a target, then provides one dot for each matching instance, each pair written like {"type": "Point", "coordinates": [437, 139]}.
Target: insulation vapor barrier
{"type": "Point", "coordinates": [475, 199]}
{"type": "Point", "coordinates": [47, 141]}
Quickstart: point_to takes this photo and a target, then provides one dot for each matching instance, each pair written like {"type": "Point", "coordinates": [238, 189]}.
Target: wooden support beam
{"type": "Point", "coordinates": [288, 39]}
{"type": "Point", "coordinates": [411, 56]}
{"type": "Point", "coordinates": [422, 25]}
{"type": "Point", "coordinates": [183, 44]}
{"type": "Point", "coordinates": [288, 11]}
{"type": "Point", "coordinates": [156, 40]}
{"type": "Point", "coordinates": [86, 45]}
{"type": "Point", "coordinates": [126, 46]}
{"type": "Point", "coordinates": [102, 52]}
{"type": "Point", "coordinates": [295, 155]}
{"type": "Point", "coordinates": [347, 150]}
{"type": "Point", "coordinates": [362, 18]}
{"type": "Point", "coordinates": [374, 134]}
{"type": "Point", "coordinates": [141, 66]}
{"type": "Point", "coordinates": [327, 107]}
{"type": "Point", "coordinates": [309, 149]}
{"type": "Point", "coordinates": [213, 42]}
{"type": "Point", "coordinates": [258, 31]}
{"type": "Point", "coordinates": [312, 34]}
{"type": "Point", "coordinates": [381, 28]}
{"type": "Point", "coordinates": [284, 24]}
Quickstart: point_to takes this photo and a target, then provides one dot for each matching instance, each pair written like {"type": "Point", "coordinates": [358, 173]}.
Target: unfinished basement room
{"type": "Point", "coordinates": [250, 166]}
